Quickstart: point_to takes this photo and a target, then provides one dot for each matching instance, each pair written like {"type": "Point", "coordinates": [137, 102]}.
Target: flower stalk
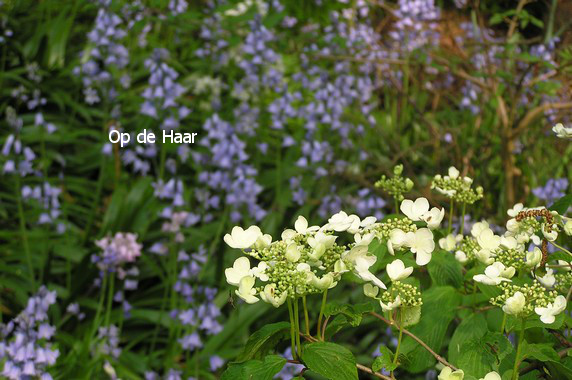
{"type": "Point", "coordinates": [321, 315]}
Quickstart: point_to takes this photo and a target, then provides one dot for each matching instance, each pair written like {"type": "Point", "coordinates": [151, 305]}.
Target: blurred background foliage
{"type": "Point", "coordinates": [299, 107]}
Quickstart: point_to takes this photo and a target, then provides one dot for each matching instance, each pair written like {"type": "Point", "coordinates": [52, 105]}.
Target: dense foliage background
{"type": "Point", "coordinates": [300, 107]}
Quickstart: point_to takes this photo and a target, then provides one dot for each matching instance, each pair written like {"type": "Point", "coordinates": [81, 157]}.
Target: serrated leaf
{"type": "Point", "coordinates": [264, 340]}
{"type": "Point", "coordinates": [472, 327]}
{"type": "Point", "coordinates": [444, 269]}
{"type": "Point", "coordinates": [330, 360]}
{"type": "Point", "coordinates": [255, 369]}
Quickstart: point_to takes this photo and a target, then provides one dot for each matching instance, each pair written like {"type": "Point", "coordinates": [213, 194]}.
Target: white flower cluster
{"type": "Point", "coordinates": [456, 187]}
{"type": "Point", "coordinates": [309, 259]}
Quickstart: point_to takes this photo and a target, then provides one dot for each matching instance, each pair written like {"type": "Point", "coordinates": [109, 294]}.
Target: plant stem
{"type": "Point", "coordinates": [503, 323]}
{"type": "Point", "coordinates": [297, 321]}
{"type": "Point", "coordinates": [24, 233]}
{"type": "Point", "coordinates": [562, 248]}
{"type": "Point", "coordinates": [111, 285]}
{"type": "Point", "coordinates": [518, 351]}
{"type": "Point", "coordinates": [292, 330]}
{"type": "Point", "coordinates": [451, 209]}
{"type": "Point", "coordinates": [462, 229]}
{"type": "Point", "coordinates": [321, 315]}
{"type": "Point", "coordinates": [99, 306]}
{"type": "Point", "coordinates": [400, 335]}
{"type": "Point", "coordinates": [306, 319]}
{"type": "Point", "coordinates": [396, 206]}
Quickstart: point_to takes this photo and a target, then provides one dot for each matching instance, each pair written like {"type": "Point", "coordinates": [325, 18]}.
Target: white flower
{"type": "Point", "coordinates": [397, 271]}
{"type": "Point", "coordinates": [370, 290]}
{"type": "Point", "coordinates": [491, 376]}
{"type": "Point", "coordinates": [433, 217]}
{"type": "Point", "coordinates": [361, 269]}
{"type": "Point", "coordinates": [534, 257]}
{"type": "Point", "coordinates": [242, 239]}
{"type": "Point", "coordinates": [340, 267]}
{"type": "Point", "coordinates": [561, 131]}
{"type": "Point", "coordinates": [392, 305]}
{"type": "Point", "coordinates": [364, 239]}
{"type": "Point", "coordinates": [566, 266]}
{"type": "Point", "coordinates": [368, 221]}
{"type": "Point", "coordinates": [422, 244]}
{"type": "Point", "coordinates": [246, 290]}
{"type": "Point", "coordinates": [484, 256]}
{"type": "Point", "coordinates": [550, 236]}
{"type": "Point", "coordinates": [326, 282]}
{"type": "Point", "coordinates": [548, 313]}
{"type": "Point", "coordinates": [260, 271]}
{"type": "Point", "coordinates": [414, 210]}
{"type": "Point", "coordinates": [449, 192]}
{"type": "Point", "coordinates": [343, 222]}
{"type": "Point", "coordinates": [301, 226]}
{"type": "Point", "coordinates": [494, 274]}
{"type": "Point", "coordinates": [288, 234]}
{"type": "Point", "coordinates": [398, 239]}
{"type": "Point", "coordinates": [240, 269]}
{"type": "Point", "coordinates": [512, 225]}
{"type": "Point", "coordinates": [568, 228]}
{"type": "Point", "coordinates": [479, 227]}
{"type": "Point", "coordinates": [263, 241]}
{"type": "Point", "coordinates": [449, 242]}
{"type": "Point", "coordinates": [268, 295]}
{"type": "Point", "coordinates": [320, 242]}
{"type": "Point", "coordinates": [461, 257]}
{"type": "Point", "coordinates": [548, 280]}
{"type": "Point", "coordinates": [453, 173]}
{"type": "Point", "coordinates": [515, 304]}
{"type": "Point", "coordinates": [488, 240]}
{"type": "Point", "coordinates": [513, 212]}
{"type": "Point", "coordinates": [508, 242]}
{"type": "Point", "coordinates": [293, 253]}
{"type": "Point", "coordinates": [448, 374]}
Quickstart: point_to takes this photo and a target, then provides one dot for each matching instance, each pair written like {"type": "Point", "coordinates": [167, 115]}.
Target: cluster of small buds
{"type": "Point", "coordinates": [409, 295]}
{"type": "Point", "coordinates": [563, 280]}
{"type": "Point", "coordinates": [512, 257]}
{"type": "Point", "coordinates": [457, 188]}
{"type": "Point", "coordinates": [532, 296]}
{"type": "Point", "coordinates": [467, 249]}
{"type": "Point", "coordinates": [383, 230]}
{"type": "Point", "coordinates": [397, 185]}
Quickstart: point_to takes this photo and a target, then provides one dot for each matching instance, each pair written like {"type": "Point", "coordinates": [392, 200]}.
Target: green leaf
{"type": "Point", "coordinates": [542, 352]}
{"type": "Point", "coordinates": [562, 205]}
{"type": "Point", "coordinates": [411, 315]}
{"type": "Point", "coordinates": [330, 360]}
{"type": "Point", "coordinates": [264, 340]}
{"type": "Point", "coordinates": [472, 327]}
{"type": "Point", "coordinates": [438, 310]}
{"type": "Point", "coordinates": [445, 270]}
{"type": "Point", "coordinates": [479, 356]}
{"type": "Point", "coordinates": [255, 369]}
{"type": "Point", "coordinates": [353, 313]}
{"type": "Point", "coordinates": [384, 361]}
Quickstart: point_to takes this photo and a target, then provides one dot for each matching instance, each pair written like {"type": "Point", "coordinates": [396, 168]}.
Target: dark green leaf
{"type": "Point", "coordinates": [264, 340]}
{"type": "Point", "coordinates": [330, 360]}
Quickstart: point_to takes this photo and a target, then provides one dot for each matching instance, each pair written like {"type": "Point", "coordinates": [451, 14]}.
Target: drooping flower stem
{"type": "Point", "coordinates": [297, 321]}
{"type": "Point", "coordinates": [462, 228]}
{"type": "Point", "coordinates": [400, 335]}
{"type": "Point", "coordinates": [321, 315]}
{"type": "Point", "coordinates": [518, 350]}
{"type": "Point", "coordinates": [292, 329]}
{"type": "Point", "coordinates": [306, 319]}
{"type": "Point", "coordinates": [451, 210]}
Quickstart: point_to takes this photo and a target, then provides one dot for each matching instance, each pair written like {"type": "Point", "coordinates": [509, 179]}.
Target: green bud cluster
{"type": "Point", "coordinates": [397, 185]}
{"type": "Point", "coordinates": [536, 295]}
{"type": "Point", "coordinates": [458, 189]}
{"type": "Point", "coordinates": [511, 258]}
{"type": "Point", "coordinates": [410, 295]}
{"type": "Point", "coordinates": [383, 230]}
{"type": "Point", "coordinates": [563, 281]}
{"type": "Point", "coordinates": [469, 246]}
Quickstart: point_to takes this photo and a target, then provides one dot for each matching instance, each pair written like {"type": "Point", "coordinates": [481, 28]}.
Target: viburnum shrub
{"type": "Point", "coordinates": [417, 277]}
